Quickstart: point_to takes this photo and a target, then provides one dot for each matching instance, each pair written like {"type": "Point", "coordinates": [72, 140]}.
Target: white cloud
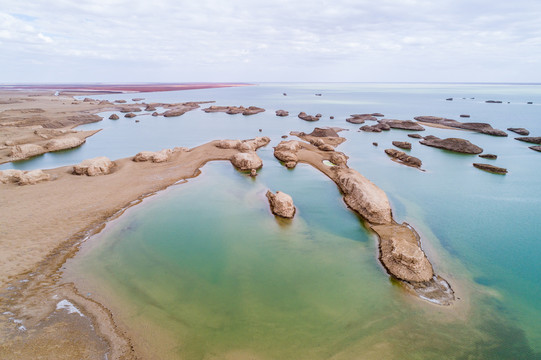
{"type": "Point", "coordinates": [191, 41]}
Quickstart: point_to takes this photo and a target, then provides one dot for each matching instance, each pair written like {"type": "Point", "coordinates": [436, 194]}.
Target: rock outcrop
{"type": "Point", "coordinates": [535, 148]}
{"type": "Point", "coordinates": [286, 152]}
{"type": "Point", "coordinates": [94, 167]}
{"type": "Point", "coordinates": [452, 144]}
{"type": "Point", "coordinates": [533, 140]}
{"type": "Point", "coordinates": [281, 204]}
{"type": "Point", "coordinates": [130, 115]}
{"type": "Point", "coordinates": [402, 124]}
{"type": "Point", "coordinates": [415, 136]}
{"type": "Point", "coordinates": [482, 128]}
{"type": "Point", "coordinates": [402, 145]}
{"type": "Point", "coordinates": [302, 115]}
{"type": "Point", "coordinates": [488, 156]}
{"type": "Point", "coordinates": [376, 128]}
{"type": "Point", "coordinates": [156, 156]}
{"type": "Point", "coordinates": [246, 159]}
{"type": "Point", "coordinates": [360, 118]}
{"type": "Point", "coordinates": [64, 143]}
{"type": "Point", "coordinates": [403, 158]}
{"type": "Point", "coordinates": [25, 151]}
{"type": "Point", "coordinates": [363, 196]}
{"type": "Point", "coordinates": [175, 112]}
{"type": "Point", "coordinates": [232, 110]}
{"type": "Point", "coordinates": [520, 131]}
{"type": "Point", "coordinates": [114, 117]}
{"type": "Point", "coordinates": [491, 168]}
{"type": "Point", "coordinates": [22, 177]}
{"type": "Point", "coordinates": [324, 132]}
{"type": "Point", "coordinates": [282, 113]}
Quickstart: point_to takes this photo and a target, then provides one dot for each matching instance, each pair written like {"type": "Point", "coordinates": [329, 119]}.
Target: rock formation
{"type": "Point", "coordinates": [175, 112]}
{"type": "Point", "coordinates": [114, 117]}
{"type": "Point", "coordinates": [64, 143]}
{"type": "Point", "coordinates": [491, 168]}
{"type": "Point", "coordinates": [520, 131]}
{"type": "Point", "coordinates": [376, 128]}
{"type": "Point", "coordinates": [323, 132]}
{"type": "Point", "coordinates": [281, 204]}
{"type": "Point", "coordinates": [402, 144]}
{"type": "Point", "coordinates": [282, 113]}
{"type": "Point", "coordinates": [452, 144]}
{"type": "Point", "coordinates": [535, 148]}
{"type": "Point", "coordinates": [402, 124]}
{"type": "Point", "coordinates": [415, 136]}
{"type": "Point", "coordinates": [493, 101]}
{"type": "Point", "coordinates": [246, 159]}
{"type": "Point", "coordinates": [286, 152]}
{"type": "Point", "coordinates": [464, 116]}
{"type": "Point", "coordinates": [130, 115]}
{"type": "Point", "coordinates": [156, 156]}
{"type": "Point", "coordinates": [404, 158]}
{"type": "Point", "coordinates": [120, 101]}
{"type": "Point", "coordinates": [150, 108]}
{"type": "Point", "coordinates": [25, 151]}
{"type": "Point", "coordinates": [94, 167]}
{"type": "Point", "coordinates": [302, 115]}
{"type": "Point", "coordinates": [533, 140]}
{"type": "Point", "coordinates": [361, 118]}
{"type": "Point", "coordinates": [231, 110]}
{"type": "Point", "coordinates": [488, 156]}
{"type": "Point", "coordinates": [21, 177]}
{"type": "Point", "coordinates": [482, 128]}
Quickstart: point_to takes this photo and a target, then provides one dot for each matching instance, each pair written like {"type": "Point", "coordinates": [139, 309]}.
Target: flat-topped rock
{"type": "Point", "coordinates": [482, 128]}
{"type": "Point", "coordinates": [282, 113]}
{"type": "Point", "coordinates": [246, 161]}
{"type": "Point", "coordinates": [24, 151]}
{"type": "Point", "coordinates": [402, 144]}
{"type": "Point", "coordinates": [402, 124]}
{"type": "Point", "coordinates": [281, 204]}
{"type": "Point", "coordinates": [533, 140]}
{"type": "Point", "coordinates": [404, 158]}
{"type": "Point", "coordinates": [452, 144]}
{"type": "Point", "coordinates": [415, 136]}
{"type": "Point", "coordinates": [94, 167]}
{"type": "Point", "coordinates": [520, 131]}
{"type": "Point", "coordinates": [491, 168]}
{"type": "Point", "coordinates": [64, 143]}
{"type": "Point", "coordinates": [324, 132]}
{"type": "Point", "coordinates": [488, 156]}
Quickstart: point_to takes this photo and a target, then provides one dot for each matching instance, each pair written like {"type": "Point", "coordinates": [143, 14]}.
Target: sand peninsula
{"type": "Point", "coordinates": [47, 221]}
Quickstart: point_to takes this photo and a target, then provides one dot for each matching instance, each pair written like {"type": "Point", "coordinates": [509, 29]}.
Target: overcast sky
{"type": "Point", "coordinates": [260, 41]}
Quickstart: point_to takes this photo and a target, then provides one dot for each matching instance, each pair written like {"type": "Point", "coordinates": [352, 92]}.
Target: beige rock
{"type": "Point", "coordinates": [281, 204]}
{"type": "Point", "coordinates": [364, 197]}
{"type": "Point", "coordinates": [153, 156]}
{"type": "Point", "coordinates": [286, 152]}
{"type": "Point", "coordinates": [246, 161]}
{"type": "Point", "coordinates": [64, 143]}
{"type": "Point", "coordinates": [26, 150]}
{"type": "Point", "coordinates": [339, 159]}
{"type": "Point", "coordinates": [94, 167]}
{"type": "Point", "coordinates": [23, 177]}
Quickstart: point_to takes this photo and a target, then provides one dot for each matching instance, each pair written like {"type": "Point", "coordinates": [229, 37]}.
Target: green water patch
{"type": "Point", "coordinates": [206, 266]}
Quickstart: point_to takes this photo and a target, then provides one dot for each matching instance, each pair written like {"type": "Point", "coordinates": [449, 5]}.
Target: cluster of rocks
{"type": "Point", "coordinates": [304, 116]}
{"type": "Point", "coordinates": [21, 177]}
{"type": "Point", "coordinates": [94, 167]}
{"type": "Point", "coordinates": [404, 158]}
{"type": "Point", "coordinates": [379, 127]}
{"type": "Point", "coordinates": [482, 128]}
{"type": "Point", "coordinates": [232, 110]}
{"type": "Point", "coordinates": [361, 118]}
{"type": "Point", "coordinates": [246, 158]}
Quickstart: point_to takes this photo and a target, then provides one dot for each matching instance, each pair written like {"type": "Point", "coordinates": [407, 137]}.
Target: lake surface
{"type": "Point", "coordinates": [203, 270]}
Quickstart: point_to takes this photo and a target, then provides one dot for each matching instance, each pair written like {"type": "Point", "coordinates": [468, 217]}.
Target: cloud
{"type": "Point", "coordinates": [192, 41]}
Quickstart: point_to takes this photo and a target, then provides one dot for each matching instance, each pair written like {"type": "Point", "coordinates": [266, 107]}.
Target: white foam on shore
{"type": "Point", "coordinates": [66, 305]}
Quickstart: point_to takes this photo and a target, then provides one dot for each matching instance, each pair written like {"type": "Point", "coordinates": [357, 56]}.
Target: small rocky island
{"type": "Point", "coordinates": [281, 204]}
{"type": "Point", "coordinates": [491, 168]}
{"type": "Point", "coordinates": [452, 144]}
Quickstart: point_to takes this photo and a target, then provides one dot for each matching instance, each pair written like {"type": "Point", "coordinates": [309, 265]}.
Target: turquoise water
{"type": "Point", "coordinates": [313, 288]}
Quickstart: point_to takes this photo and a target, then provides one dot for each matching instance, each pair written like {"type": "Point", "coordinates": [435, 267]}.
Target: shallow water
{"type": "Point", "coordinates": [313, 288]}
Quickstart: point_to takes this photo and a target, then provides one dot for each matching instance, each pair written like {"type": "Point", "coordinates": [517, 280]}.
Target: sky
{"type": "Point", "coordinates": [66, 41]}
